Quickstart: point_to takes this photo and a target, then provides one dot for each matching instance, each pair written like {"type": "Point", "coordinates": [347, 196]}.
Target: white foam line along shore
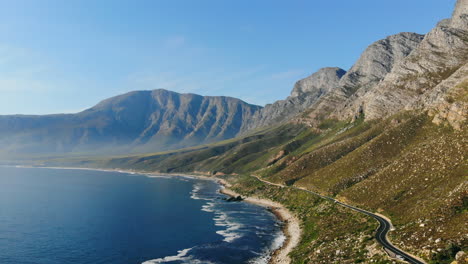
{"type": "Point", "coordinates": [292, 228]}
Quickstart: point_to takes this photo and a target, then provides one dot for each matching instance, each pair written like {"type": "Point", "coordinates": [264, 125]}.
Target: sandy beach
{"type": "Point", "coordinates": [292, 228]}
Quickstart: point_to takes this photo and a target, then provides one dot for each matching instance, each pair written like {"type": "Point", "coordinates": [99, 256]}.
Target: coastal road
{"type": "Point", "coordinates": [381, 234]}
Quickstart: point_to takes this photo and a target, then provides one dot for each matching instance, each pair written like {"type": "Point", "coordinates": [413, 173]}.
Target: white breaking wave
{"type": "Point", "coordinates": [263, 259]}
{"type": "Point", "coordinates": [182, 255]}
{"type": "Point", "coordinates": [221, 218]}
{"type": "Point", "coordinates": [229, 234]}
{"type": "Point", "coordinates": [277, 243]}
{"type": "Point", "coordinates": [195, 193]}
{"type": "Point", "coordinates": [209, 207]}
{"type": "Point", "coordinates": [158, 176]}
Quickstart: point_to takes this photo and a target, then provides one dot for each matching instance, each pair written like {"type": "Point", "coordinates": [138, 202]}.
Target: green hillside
{"type": "Point", "coordinates": [405, 167]}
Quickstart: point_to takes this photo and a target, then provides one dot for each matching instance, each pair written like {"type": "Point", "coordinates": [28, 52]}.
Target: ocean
{"type": "Point", "coordinates": [62, 216]}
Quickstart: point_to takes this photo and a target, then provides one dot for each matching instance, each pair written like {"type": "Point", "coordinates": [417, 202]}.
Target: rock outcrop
{"type": "Point", "coordinates": [414, 82]}
{"type": "Point", "coordinates": [406, 71]}
{"type": "Point", "coordinates": [306, 92]}
{"type": "Point", "coordinates": [321, 81]}
{"type": "Point", "coordinates": [448, 101]}
{"type": "Point", "coordinates": [371, 68]}
{"type": "Point", "coordinates": [331, 92]}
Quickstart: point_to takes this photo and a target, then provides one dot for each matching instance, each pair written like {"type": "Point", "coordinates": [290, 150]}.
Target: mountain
{"type": "Point", "coordinates": [374, 64]}
{"type": "Point", "coordinates": [388, 136]}
{"type": "Point", "coordinates": [330, 88]}
{"type": "Point", "coordinates": [406, 71]}
{"type": "Point", "coordinates": [306, 93]}
{"type": "Point", "coordinates": [418, 80]}
{"type": "Point", "coordinates": [136, 121]}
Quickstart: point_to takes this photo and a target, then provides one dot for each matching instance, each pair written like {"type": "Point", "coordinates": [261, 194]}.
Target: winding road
{"type": "Point", "coordinates": [381, 234]}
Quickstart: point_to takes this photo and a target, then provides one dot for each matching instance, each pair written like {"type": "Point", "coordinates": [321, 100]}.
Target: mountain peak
{"type": "Point", "coordinates": [139, 121]}
{"type": "Point", "coordinates": [324, 80]}
{"type": "Point", "coordinates": [443, 51]}
{"type": "Point", "coordinates": [378, 59]}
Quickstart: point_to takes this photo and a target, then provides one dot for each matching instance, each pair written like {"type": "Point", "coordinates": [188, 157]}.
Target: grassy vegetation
{"type": "Point", "coordinates": [231, 156]}
{"type": "Point", "coordinates": [405, 167]}
{"type": "Point", "coordinates": [326, 226]}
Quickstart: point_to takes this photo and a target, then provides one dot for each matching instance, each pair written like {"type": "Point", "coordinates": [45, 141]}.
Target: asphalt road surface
{"type": "Point", "coordinates": [381, 234]}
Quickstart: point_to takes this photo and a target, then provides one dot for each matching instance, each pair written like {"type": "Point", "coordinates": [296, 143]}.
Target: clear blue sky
{"type": "Point", "coordinates": [65, 56]}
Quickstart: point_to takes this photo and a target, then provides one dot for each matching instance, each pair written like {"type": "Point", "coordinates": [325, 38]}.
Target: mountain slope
{"type": "Point", "coordinates": [306, 92]}
{"type": "Point", "coordinates": [405, 167]}
{"type": "Point", "coordinates": [136, 121]}
{"type": "Point", "coordinates": [417, 80]}
{"type": "Point", "coordinates": [390, 138]}
{"type": "Point", "coordinates": [372, 67]}
{"type": "Point", "coordinates": [329, 89]}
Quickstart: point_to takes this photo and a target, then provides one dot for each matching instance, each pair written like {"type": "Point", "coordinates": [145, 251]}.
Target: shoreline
{"type": "Point", "coordinates": [291, 228]}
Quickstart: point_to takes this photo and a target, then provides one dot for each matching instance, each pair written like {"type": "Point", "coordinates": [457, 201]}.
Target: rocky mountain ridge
{"type": "Point", "coordinates": [306, 92]}
{"type": "Point", "coordinates": [414, 82]}
{"type": "Point", "coordinates": [401, 72]}
{"type": "Point", "coordinates": [388, 136]}
{"type": "Point", "coordinates": [329, 89]}
{"type": "Point", "coordinates": [405, 71]}
{"type": "Point", "coordinates": [136, 121]}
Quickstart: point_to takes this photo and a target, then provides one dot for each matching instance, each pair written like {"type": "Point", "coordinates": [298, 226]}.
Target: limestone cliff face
{"type": "Point", "coordinates": [325, 92]}
{"type": "Point", "coordinates": [448, 101]}
{"type": "Point", "coordinates": [306, 92]}
{"type": "Point", "coordinates": [405, 71]}
{"type": "Point", "coordinates": [460, 15]}
{"type": "Point", "coordinates": [414, 82]}
{"type": "Point", "coordinates": [378, 60]}
{"type": "Point", "coordinates": [371, 68]}
{"type": "Point", "coordinates": [321, 81]}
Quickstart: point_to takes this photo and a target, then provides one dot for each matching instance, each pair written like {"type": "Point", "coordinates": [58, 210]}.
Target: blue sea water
{"type": "Point", "coordinates": [61, 216]}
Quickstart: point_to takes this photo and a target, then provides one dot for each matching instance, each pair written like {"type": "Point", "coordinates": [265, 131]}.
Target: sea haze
{"type": "Point", "coordinates": [85, 216]}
